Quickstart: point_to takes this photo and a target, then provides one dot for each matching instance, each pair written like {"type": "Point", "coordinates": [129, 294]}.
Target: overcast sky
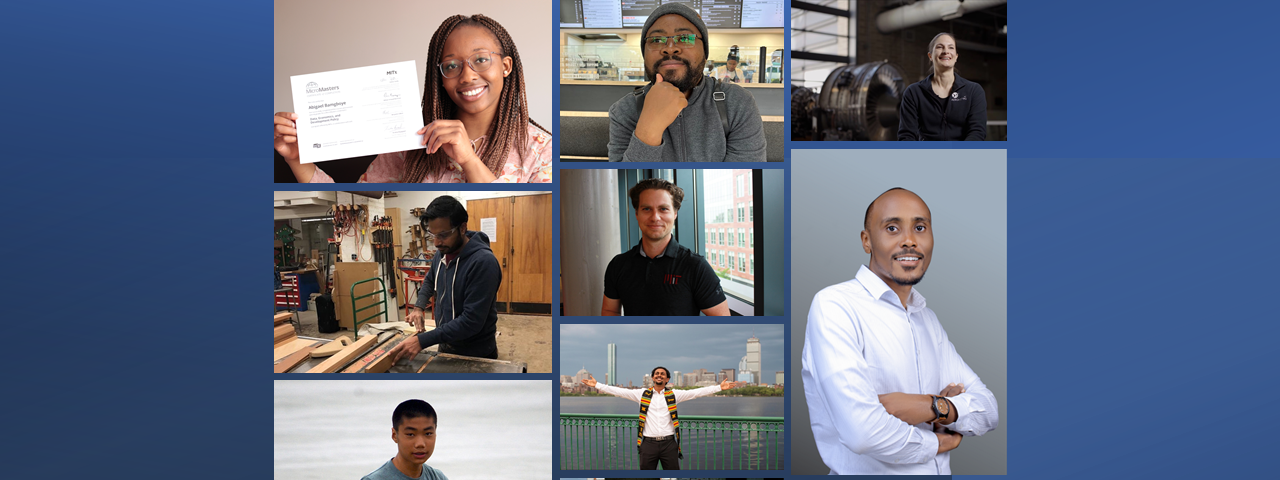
{"type": "Point", "coordinates": [678, 347]}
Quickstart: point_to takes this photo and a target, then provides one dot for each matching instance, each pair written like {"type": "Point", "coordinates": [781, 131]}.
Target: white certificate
{"type": "Point", "coordinates": [357, 111]}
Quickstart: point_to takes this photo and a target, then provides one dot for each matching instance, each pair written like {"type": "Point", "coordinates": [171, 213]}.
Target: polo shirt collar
{"type": "Point", "coordinates": [881, 291]}
{"type": "Point", "coordinates": [673, 247]}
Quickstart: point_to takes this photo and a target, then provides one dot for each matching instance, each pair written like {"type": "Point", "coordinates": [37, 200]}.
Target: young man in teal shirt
{"type": "Point", "coordinates": [413, 428]}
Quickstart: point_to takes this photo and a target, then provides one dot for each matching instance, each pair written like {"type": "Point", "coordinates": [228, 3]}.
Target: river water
{"type": "Point", "coordinates": [341, 429]}
{"type": "Point", "coordinates": [609, 450]}
{"type": "Point", "coordinates": [724, 406]}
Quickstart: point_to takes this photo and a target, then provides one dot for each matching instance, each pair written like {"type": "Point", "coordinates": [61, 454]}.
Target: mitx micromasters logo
{"type": "Point", "coordinates": [313, 87]}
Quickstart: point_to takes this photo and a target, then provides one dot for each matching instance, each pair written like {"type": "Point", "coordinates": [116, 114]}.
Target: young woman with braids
{"type": "Point", "coordinates": [477, 120]}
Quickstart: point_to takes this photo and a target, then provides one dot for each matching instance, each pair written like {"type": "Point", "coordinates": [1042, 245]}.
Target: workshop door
{"type": "Point", "coordinates": [519, 230]}
{"type": "Point", "coordinates": [531, 260]}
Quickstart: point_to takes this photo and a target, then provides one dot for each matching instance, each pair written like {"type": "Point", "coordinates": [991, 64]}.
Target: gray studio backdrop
{"type": "Point", "coordinates": [965, 284]}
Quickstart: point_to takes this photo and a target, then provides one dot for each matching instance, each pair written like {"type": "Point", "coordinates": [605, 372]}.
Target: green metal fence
{"type": "Point", "coordinates": [608, 442]}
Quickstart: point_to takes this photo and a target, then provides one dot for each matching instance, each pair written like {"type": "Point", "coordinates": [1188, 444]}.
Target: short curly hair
{"type": "Point", "coordinates": [677, 193]}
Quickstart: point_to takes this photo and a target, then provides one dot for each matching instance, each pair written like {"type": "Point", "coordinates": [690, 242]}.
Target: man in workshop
{"type": "Point", "coordinates": [887, 391]}
{"type": "Point", "coordinates": [658, 437]}
{"type": "Point", "coordinates": [462, 283]}
{"type": "Point", "coordinates": [660, 276]}
{"type": "Point", "coordinates": [682, 115]}
{"type": "Point", "coordinates": [413, 429]}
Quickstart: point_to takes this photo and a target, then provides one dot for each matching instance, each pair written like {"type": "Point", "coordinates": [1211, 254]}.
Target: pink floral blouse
{"type": "Point", "coordinates": [534, 168]}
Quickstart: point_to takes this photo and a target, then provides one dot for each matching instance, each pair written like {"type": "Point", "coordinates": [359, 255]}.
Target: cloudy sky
{"type": "Point", "coordinates": [679, 347]}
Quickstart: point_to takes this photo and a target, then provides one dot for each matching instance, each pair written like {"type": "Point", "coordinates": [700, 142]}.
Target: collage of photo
{"type": "Point", "coordinates": [492, 300]}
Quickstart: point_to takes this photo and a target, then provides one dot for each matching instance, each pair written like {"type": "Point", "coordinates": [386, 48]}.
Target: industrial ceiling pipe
{"type": "Point", "coordinates": [920, 13]}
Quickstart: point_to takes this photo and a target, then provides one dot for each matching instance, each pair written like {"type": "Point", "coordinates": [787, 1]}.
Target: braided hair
{"type": "Point", "coordinates": [507, 131]}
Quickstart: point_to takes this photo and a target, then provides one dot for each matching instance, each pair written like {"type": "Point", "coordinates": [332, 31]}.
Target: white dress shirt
{"type": "Point", "coordinates": [658, 420]}
{"type": "Point", "coordinates": [861, 343]}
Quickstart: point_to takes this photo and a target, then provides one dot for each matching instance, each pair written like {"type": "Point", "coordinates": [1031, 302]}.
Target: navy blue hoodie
{"type": "Point", "coordinates": [465, 313]}
{"type": "Point", "coordinates": [924, 116]}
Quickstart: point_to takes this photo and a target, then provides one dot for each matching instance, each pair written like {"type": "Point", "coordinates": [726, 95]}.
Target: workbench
{"type": "Point", "coordinates": [427, 361]}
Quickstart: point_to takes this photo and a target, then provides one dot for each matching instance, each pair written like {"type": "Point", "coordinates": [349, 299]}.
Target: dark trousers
{"type": "Point", "coordinates": [651, 451]}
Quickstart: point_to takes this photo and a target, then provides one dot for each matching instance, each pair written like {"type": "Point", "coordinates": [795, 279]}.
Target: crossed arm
{"type": "Point", "coordinates": [915, 409]}
{"type": "Point", "coordinates": [839, 382]}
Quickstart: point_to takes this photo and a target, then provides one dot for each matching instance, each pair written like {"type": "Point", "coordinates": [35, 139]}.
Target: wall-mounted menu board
{"type": "Point", "coordinates": [633, 13]}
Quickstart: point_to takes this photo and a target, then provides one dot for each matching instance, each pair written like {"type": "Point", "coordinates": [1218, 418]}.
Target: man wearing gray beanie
{"type": "Point", "coordinates": [677, 116]}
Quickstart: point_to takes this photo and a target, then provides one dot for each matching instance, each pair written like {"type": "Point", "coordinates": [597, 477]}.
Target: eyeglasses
{"type": "Point", "coordinates": [478, 62]}
{"type": "Point", "coordinates": [659, 41]}
{"type": "Point", "coordinates": [431, 237]}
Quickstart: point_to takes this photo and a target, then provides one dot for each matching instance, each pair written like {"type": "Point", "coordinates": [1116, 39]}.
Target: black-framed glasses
{"type": "Point", "coordinates": [479, 62]}
{"type": "Point", "coordinates": [445, 235]}
{"type": "Point", "coordinates": [658, 41]}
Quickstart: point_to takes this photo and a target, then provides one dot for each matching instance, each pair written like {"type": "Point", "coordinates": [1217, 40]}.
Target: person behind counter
{"type": "Point", "coordinates": [943, 106]}
{"type": "Point", "coordinates": [477, 119]}
{"type": "Point", "coordinates": [732, 73]}
{"type": "Point", "coordinates": [682, 115]}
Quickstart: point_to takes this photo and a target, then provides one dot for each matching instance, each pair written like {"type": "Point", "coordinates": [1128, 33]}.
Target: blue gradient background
{"type": "Point", "coordinates": [1141, 188]}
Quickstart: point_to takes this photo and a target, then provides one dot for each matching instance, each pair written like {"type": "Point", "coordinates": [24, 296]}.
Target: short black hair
{"type": "Point", "coordinates": [866, 218]}
{"type": "Point", "coordinates": [412, 409]}
{"type": "Point", "coordinates": [655, 372]}
{"type": "Point", "coordinates": [677, 193]}
{"type": "Point", "coordinates": [445, 206]}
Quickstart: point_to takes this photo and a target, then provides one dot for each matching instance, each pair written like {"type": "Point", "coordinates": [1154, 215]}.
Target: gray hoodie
{"type": "Point", "coordinates": [697, 134]}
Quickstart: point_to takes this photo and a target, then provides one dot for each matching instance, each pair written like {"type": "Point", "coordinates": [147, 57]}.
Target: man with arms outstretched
{"type": "Point", "coordinates": [659, 433]}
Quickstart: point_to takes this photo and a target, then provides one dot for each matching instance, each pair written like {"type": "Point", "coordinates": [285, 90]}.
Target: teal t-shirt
{"type": "Point", "coordinates": [388, 471]}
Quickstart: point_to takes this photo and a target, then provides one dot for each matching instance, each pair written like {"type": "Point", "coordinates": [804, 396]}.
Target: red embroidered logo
{"type": "Point", "coordinates": [670, 279]}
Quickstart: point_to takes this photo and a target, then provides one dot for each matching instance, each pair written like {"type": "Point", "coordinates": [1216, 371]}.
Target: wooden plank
{"type": "Point", "coordinates": [283, 317]}
{"type": "Point", "coordinates": [331, 348]}
{"type": "Point", "coordinates": [287, 363]}
{"type": "Point", "coordinates": [285, 333]}
{"type": "Point", "coordinates": [345, 355]}
{"type": "Point", "coordinates": [378, 361]}
{"type": "Point", "coordinates": [288, 348]}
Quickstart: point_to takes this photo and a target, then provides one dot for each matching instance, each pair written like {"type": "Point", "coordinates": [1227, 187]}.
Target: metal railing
{"type": "Point", "coordinates": [380, 303]}
{"type": "Point", "coordinates": [608, 442]}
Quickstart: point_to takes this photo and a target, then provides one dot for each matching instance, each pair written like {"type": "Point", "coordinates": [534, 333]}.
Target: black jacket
{"type": "Point", "coordinates": [963, 116]}
{"type": "Point", "coordinates": [465, 314]}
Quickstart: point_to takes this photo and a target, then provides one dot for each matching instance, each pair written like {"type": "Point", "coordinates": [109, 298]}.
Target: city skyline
{"type": "Point", "coordinates": [684, 348]}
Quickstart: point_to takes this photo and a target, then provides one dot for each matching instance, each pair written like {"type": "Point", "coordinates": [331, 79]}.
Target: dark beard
{"type": "Point", "coordinates": [692, 76]}
{"type": "Point", "coordinates": [905, 282]}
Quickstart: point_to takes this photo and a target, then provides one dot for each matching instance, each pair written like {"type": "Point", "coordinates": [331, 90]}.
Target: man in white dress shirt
{"type": "Point", "coordinates": [887, 391]}
{"type": "Point", "coordinates": [660, 436]}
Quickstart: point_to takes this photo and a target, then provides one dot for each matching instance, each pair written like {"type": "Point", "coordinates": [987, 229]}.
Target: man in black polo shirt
{"type": "Point", "coordinates": [659, 276]}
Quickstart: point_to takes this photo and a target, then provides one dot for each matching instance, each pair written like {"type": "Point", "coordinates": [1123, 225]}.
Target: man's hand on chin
{"type": "Point", "coordinates": [662, 104]}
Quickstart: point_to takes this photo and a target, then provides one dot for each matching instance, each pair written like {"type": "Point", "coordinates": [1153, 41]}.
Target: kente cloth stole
{"type": "Point", "coordinates": [671, 407]}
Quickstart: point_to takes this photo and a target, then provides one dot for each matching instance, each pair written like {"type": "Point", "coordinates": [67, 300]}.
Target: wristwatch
{"type": "Point", "coordinates": [941, 408]}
